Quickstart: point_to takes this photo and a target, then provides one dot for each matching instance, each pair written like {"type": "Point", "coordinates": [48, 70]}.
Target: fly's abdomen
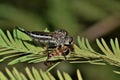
{"type": "Point", "coordinates": [39, 36]}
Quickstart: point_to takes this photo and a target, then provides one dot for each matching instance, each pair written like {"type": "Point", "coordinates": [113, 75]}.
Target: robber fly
{"type": "Point", "coordinates": [59, 41]}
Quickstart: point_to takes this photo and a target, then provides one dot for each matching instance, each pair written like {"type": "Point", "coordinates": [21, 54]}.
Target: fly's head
{"type": "Point", "coordinates": [68, 41]}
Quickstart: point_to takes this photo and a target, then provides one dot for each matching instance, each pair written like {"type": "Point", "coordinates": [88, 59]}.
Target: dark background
{"type": "Point", "coordinates": [89, 18]}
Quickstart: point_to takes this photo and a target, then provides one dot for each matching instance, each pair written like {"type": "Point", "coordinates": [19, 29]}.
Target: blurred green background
{"type": "Point", "coordinates": [88, 18]}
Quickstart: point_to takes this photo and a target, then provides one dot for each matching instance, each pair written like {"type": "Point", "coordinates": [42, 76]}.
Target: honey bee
{"type": "Point", "coordinates": [62, 51]}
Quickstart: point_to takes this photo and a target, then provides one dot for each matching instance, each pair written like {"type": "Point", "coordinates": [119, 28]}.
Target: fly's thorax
{"type": "Point", "coordinates": [59, 36]}
{"type": "Point", "coordinates": [61, 32]}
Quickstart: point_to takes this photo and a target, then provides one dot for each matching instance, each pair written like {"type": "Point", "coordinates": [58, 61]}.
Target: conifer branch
{"type": "Point", "coordinates": [20, 45]}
